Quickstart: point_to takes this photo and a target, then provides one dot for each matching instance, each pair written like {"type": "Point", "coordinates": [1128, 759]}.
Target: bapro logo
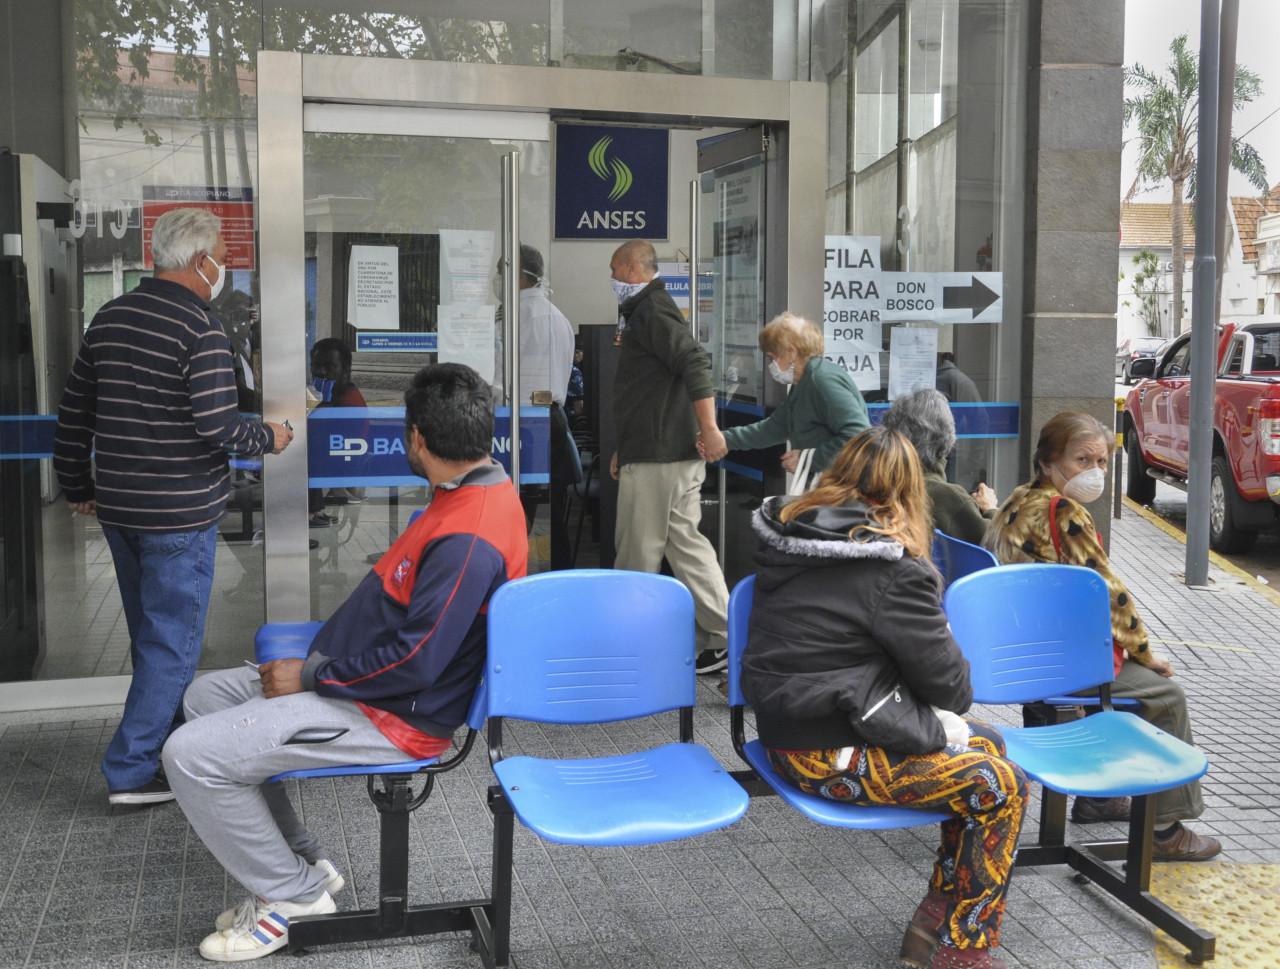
{"type": "Point", "coordinates": [354, 447]}
{"type": "Point", "coordinates": [606, 167]}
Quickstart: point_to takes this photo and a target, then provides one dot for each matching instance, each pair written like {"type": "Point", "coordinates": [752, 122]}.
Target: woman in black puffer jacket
{"type": "Point", "coordinates": [858, 686]}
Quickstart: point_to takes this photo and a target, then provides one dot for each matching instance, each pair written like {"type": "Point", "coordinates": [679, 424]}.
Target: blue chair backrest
{"type": "Point", "coordinates": [739, 619]}
{"type": "Point", "coordinates": [956, 559]}
{"type": "Point", "coordinates": [478, 712]}
{"type": "Point", "coordinates": [590, 646]}
{"type": "Point", "coordinates": [1032, 631]}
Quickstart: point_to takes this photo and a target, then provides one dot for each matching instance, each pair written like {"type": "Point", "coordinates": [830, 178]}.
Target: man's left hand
{"type": "Point", "coordinates": [713, 444]}
{"type": "Point", "coordinates": [280, 677]}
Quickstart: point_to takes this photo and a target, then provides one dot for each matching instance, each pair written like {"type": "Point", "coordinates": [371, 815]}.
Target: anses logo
{"type": "Point", "coordinates": [605, 167]}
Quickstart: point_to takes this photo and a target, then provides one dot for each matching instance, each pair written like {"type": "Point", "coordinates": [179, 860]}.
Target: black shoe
{"type": "Point", "coordinates": [1091, 810]}
{"type": "Point", "coordinates": [319, 521]}
{"type": "Point", "coordinates": [155, 791]}
{"type": "Point", "coordinates": [711, 661]}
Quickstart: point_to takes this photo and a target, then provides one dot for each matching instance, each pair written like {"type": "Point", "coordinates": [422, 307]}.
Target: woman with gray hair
{"type": "Point", "coordinates": [823, 410]}
{"type": "Point", "coordinates": [924, 418]}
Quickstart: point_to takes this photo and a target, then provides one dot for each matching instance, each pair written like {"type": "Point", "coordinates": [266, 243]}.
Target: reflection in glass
{"type": "Point", "coordinates": [636, 35]}
{"type": "Point", "coordinates": [425, 213]}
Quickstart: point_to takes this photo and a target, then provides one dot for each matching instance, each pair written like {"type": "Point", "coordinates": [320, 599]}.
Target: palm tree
{"type": "Point", "coordinates": [1165, 107]}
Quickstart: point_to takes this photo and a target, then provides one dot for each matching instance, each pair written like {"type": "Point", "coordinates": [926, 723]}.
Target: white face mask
{"type": "Point", "coordinates": [214, 288]}
{"type": "Point", "coordinates": [1085, 487]}
{"type": "Point", "coordinates": [787, 376]}
{"type": "Point", "coordinates": [495, 286]}
{"type": "Point", "coordinates": [624, 291]}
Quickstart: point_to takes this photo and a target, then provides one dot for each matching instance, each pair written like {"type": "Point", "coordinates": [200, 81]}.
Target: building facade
{"type": "Point", "coordinates": [944, 138]}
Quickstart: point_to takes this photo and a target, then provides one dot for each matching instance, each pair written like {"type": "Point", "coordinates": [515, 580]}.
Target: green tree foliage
{"type": "Point", "coordinates": [1146, 286]}
{"type": "Point", "coordinates": [1164, 106]}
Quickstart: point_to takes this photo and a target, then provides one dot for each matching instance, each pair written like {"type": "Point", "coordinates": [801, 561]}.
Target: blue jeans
{"type": "Point", "coordinates": [165, 580]}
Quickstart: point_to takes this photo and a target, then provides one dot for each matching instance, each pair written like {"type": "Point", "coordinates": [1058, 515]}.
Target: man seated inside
{"type": "Point", "coordinates": [388, 678]}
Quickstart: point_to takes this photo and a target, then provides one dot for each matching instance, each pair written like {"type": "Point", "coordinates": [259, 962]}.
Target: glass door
{"type": "Point", "coordinates": [406, 237]}
{"type": "Point", "coordinates": [728, 305]}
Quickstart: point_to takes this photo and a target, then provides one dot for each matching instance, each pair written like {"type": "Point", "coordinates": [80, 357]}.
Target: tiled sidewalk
{"type": "Point", "coordinates": [84, 885]}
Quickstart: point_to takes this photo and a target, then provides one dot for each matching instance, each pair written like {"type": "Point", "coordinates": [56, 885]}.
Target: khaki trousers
{"type": "Point", "coordinates": [1164, 705]}
{"type": "Point", "coordinates": [658, 515]}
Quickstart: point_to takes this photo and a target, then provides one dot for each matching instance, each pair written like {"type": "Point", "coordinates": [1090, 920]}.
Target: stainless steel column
{"type": "Point", "coordinates": [284, 350]}
{"type": "Point", "coordinates": [511, 298]}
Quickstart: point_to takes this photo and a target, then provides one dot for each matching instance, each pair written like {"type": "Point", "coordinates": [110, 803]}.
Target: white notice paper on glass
{"type": "Point", "coordinates": [464, 334]}
{"type": "Point", "coordinates": [913, 359]}
{"type": "Point", "coordinates": [373, 288]}
{"type": "Point", "coordinates": [466, 265]}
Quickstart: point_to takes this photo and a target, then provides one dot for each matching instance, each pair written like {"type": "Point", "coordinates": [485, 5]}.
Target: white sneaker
{"type": "Point", "coordinates": [333, 884]}
{"type": "Point", "coordinates": [260, 929]}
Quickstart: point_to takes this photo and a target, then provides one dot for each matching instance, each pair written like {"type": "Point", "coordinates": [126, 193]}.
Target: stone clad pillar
{"type": "Point", "coordinates": [1074, 129]}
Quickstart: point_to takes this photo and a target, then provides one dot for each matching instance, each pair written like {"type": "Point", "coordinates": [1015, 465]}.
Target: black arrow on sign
{"type": "Point", "coordinates": [976, 297]}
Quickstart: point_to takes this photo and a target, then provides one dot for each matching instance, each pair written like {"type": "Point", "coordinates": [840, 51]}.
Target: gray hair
{"type": "Point", "coordinates": [924, 418]}
{"type": "Point", "coordinates": [180, 234]}
{"type": "Point", "coordinates": [531, 263]}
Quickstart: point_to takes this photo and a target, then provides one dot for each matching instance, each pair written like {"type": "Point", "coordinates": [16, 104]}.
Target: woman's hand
{"type": "Point", "coordinates": [790, 461]}
{"type": "Point", "coordinates": [1158, 664]}
{"type": "Point", "coordinates": [985, 496]}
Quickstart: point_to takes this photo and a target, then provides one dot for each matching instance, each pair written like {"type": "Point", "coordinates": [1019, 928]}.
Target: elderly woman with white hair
{"type": "Point", "coordinates": [822, 411]}
{"type": "Point", "coordinates": [924, 418]}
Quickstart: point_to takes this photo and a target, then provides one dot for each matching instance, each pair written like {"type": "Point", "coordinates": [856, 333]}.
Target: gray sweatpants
{"type": "Point", "coordinates": [233, 740]}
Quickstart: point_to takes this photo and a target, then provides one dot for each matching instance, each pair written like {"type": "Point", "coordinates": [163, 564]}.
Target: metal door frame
{"type": "Point", "coordinates": [288, 80]}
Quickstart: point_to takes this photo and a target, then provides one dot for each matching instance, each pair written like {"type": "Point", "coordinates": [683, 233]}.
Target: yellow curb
{"type": "Point", "coordinates": [1192, 642]}
{"type": "Point", "coordinates": [1264, 590]}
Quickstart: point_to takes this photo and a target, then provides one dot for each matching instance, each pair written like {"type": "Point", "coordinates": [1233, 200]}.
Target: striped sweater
{"type": "Point", "coordinates": [152, 399]}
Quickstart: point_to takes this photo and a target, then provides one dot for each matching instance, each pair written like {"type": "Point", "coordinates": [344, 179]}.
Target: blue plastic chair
{"type": "Point", "coordinates": [395, 801]}
{"type": "Point", "coordinates": [832, 813]}
{"type": "Point", "coordinates": [955, 559]}
{"type": "Point", "coordinates": [1032, 631]}
{"type": "Point", "coordinates": [595, 646]}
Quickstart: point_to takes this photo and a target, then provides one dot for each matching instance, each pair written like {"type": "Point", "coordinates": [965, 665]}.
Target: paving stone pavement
{"type": "Point", "coordinates": [85, 885]}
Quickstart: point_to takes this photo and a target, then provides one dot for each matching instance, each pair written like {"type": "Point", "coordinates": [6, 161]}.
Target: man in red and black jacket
{"type": "Point", "coordinates": [389, 677]}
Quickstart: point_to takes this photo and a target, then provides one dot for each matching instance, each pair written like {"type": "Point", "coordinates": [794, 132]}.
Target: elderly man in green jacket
{"type": "Point", "coordinates": [663, 405]}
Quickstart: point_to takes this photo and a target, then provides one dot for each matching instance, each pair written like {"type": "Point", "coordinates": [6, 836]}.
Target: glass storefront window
{"type": "Point", "coordinates": [923, 98]}
{"type": "Point", "coordinates": [934, 182]}
{"type": "Point", "coordinates": [635, 35]}
{"type": "Point", "coordinates": [481, 31]}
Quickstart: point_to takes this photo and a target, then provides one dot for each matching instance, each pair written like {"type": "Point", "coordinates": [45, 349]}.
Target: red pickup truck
{"type": "Point", "coordinates": [1244, 490]}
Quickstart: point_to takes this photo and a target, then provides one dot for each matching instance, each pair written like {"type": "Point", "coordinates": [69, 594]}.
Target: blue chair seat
{"type": "Point", "coordinates": [674, 791]}
{"type": "Point", "coordinates": [1109, 754]}
{"type": "Point", "coordinates": [835, 814]}
{"type": "Point", "coordinates": [405, 767]}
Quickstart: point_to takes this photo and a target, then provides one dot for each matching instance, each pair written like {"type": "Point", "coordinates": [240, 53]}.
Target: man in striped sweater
{"type": "Point", "coordinates": [145, 425]}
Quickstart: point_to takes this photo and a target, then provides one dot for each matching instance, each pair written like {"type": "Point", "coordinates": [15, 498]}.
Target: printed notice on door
{"type": "Point", "coordinates": [373, 288]}
{"type": "Point", "coordinates": [465, 335]}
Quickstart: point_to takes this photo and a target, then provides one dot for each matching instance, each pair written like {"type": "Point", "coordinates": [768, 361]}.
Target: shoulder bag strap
{"type": "Point", "coordinates": [1053, 525]}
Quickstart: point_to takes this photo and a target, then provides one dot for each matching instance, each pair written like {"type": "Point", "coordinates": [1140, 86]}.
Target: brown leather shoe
{"type": "Point", "coordinates": [921, 938]}
{"type": "Point", "coordinates": [1091, 810]}
{"type": "Point", "coordinates": [1184, 845]}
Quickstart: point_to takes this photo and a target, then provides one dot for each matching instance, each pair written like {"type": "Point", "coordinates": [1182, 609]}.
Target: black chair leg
{"type": "Point", "coordinates": [394, 917]}
{"type": "Point", "coordinates": [1132, 887]}
{"type": "Point", "coordinates": [503, 833]}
